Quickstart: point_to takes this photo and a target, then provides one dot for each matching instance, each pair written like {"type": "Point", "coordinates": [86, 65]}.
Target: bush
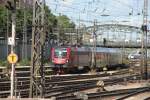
{"type": "Point", "coordinates": [24, 62]}
{"type": "Point", "coordinates": [4, 63]}
{"type": "Point", "coordinates": [46, 62]}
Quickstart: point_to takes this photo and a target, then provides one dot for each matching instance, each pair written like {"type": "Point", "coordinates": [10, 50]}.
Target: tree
{"type": "Point", "coordinates": [64, 22]}
{"type": "Point", "coordinates": [53, 21]}
{"type": "Point", "coordinates": [3, 21]}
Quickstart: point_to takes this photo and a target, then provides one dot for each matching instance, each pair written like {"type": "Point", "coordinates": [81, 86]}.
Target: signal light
{"type": "Point", "coordinates": [12, 4]}
{"type": "Point", "coordinates": [144, 28]}
{"type": "Point", "coordinates": [9, 5]}
{"type": "Point", "coordinates": [104, 41]}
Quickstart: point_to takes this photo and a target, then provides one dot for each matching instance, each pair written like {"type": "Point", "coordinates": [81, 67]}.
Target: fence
{"type": "Point", "coordinates": [5, 49]}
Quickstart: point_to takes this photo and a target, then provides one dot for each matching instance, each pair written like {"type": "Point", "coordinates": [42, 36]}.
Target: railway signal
{"type": "Point", "coordinates": [104, 41]}
{"type": "Point", "coordinates": [12, 58]}
{"type": "Point", "coordinates": [9, 5]}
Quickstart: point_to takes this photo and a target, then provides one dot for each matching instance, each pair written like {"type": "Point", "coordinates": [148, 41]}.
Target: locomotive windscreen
{"type": "Point", "coordinates": [60, 52]}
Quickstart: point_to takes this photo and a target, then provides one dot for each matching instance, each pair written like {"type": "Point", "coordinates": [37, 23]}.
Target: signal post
{"type": "Point", "coordinates": [12, 57]}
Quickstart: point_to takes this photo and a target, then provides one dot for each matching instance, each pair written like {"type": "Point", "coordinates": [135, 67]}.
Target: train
{"type": "Point", "coordinates": [137, 54]}
{"type": "Point", "coordinates": [71, 58]}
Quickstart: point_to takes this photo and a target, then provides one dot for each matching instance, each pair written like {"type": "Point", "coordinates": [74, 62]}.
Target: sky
{"type": "Point", "coordinates": [129, 11]}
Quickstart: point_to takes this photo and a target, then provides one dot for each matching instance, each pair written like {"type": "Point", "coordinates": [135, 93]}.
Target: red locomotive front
{"type": "Point", "coordinates": [60, 56]}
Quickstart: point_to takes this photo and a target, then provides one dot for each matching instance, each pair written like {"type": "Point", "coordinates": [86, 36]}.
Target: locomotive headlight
{"type": "Point", "coordinates": [131, 57]}
{"type": "Point", "coordinates": [52, 60]}
{"type": "Point", "coordinates": [67, 61]}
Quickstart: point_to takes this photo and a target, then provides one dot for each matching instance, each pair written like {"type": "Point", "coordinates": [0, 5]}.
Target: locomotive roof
{"type": "Point", "coordinates": [98, 49]}
{"type": "Point", "coordinates": [83, 49]}
{"type": "Point", "coordinates": [112, 50]}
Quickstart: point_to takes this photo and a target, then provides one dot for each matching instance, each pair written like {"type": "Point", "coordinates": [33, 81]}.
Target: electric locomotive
{"type": "Point", "coordinates": [60, 56]}
{"type": "Point", "coordinates": [71, 58]}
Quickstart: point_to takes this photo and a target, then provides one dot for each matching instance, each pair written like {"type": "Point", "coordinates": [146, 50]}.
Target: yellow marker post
{"type": "Point", "coordinates": [12, 58]}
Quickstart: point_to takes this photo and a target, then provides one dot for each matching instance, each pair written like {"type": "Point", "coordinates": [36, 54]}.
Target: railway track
{"type": "Point", "coordinates": [100, 95]}
{"type": "Point", "coordinates": [64, 89]}
{"type": "Point", "coordinates": [147, 89]}
{"type": "Point", "coordinates": [61, 85]}
{"type": "Point", "coordinates": [73, 87]}
{"type": "Point", "coordinates": [148, 98]}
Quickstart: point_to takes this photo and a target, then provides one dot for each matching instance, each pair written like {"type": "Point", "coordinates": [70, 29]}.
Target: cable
{"type": "Point", "coordinates": [82, 10]}
{"type": "Point", "coordinates": [79, 11]}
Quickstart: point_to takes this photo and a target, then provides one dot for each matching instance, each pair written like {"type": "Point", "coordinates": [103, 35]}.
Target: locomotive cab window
{"type": "Point", "coordinates": [60, 53]}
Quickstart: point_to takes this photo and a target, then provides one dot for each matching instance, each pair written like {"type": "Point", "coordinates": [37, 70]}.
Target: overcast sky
{"type": "Point", "coordinates": [101, 10]}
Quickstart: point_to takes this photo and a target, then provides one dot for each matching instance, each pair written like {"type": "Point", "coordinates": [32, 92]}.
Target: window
{"type": "Point", "coordinates": [60, 53]}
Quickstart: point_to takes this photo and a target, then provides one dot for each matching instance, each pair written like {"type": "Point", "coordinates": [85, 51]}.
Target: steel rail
{"type": "Point", "coordinates": [148, 98]}
{"type": "Point", "coordinates": [134, 93]}
{"type": "Point", "coordinates": [85, 86]}
{"type": "Point", "coordinates": [103, 94]}
{"type": "Point", "coordinates": [78, 80]}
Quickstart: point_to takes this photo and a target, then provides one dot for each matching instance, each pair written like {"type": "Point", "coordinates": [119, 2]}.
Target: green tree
{"type": "Point", "coordinates": [65, 22]}
{"type": "Point", "coordinates": [3, 21]}
{"type": "Point", "coordinates": [20, 22]}
{"type": "Point", "coordinates": [53, 21]}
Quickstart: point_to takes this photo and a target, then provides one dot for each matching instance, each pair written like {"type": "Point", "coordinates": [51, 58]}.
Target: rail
{"type": "Point", "coordinates": [62, 85]}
